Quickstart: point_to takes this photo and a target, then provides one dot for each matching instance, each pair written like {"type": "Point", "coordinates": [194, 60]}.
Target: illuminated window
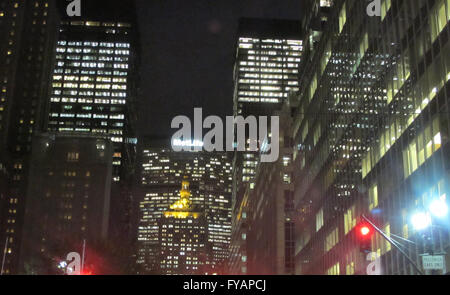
{"type": "Point", "coordinates": [422, 148]}
{"type": "Point", "coordinates": [349, 220]}
{"type": "Point", "coordinates": [334, 270]}
{"type": "Point", "coordinates": [319, 220]}
{"type": "Point", "coordinates": [373, 197]}
{"type": "Point", "coordinates": [342, 18]}
{"type": "Point", "coordinates": [332, 239]}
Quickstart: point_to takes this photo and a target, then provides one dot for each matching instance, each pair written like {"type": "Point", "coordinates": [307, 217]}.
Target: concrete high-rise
{"type": "Point", "coordinates": [68, 201]}
{"type": "Point", "coordinates": [94, 91]}
{"type": "Point", "coordinates": [263, 224]}
{"type": "Point", "coordinates": [28, 31]}
{"type": "Point", "coordinates": [268, 54]}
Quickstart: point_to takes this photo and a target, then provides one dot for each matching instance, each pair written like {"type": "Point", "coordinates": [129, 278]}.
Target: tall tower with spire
{"type": "Point", "coordinates": [183, 208]}
{"type": "Point", "coordinates": [183, 236]}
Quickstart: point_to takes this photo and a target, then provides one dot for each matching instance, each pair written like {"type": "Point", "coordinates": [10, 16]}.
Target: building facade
{"type": "Point", "coordinates": [183, 237]}
{"type": "Point", "coordinates": [162, 170]}
{"type": "Point", "coordinates": [68, 199]}
{"type": "Point", "coordinates": [238, 259]}
{"type": "Point", "coordinates": [268, 53]}
{"type": "Point", "coordinates": [266, 72]}
{"type": "Point", "coordinates": [263, 232]}
{"type": "Point", "coordinates": [94, 89]}
{"type": "Point", "coordinates": [28, 30]}
{"type": "Point", "coordinates": [371, 134]}
{"type": "Point", "coordinates": [93, 82]}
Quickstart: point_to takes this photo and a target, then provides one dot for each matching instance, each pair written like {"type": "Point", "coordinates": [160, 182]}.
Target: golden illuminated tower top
{"type": "Point", "coordinates": [183, 207]}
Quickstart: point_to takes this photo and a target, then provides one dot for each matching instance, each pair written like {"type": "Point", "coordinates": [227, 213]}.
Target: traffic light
{"type": "Point", "coordinates": [364, 233]}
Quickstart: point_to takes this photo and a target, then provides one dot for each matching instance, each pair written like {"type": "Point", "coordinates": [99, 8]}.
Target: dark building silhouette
{"type": "Point", "coordinates": [28, 30]}
{"type": "Point", "coordinates": [68, 200]}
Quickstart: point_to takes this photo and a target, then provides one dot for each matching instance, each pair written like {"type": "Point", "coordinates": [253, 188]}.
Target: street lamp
{"type": "Point", "coordinates": [62, 264]}
{"type": "Point", "coordinates": [439, 208]}
{"type": "Point", "coordinates": [421, 220]}
{"type": "Point", "coordinates": [424, 219]}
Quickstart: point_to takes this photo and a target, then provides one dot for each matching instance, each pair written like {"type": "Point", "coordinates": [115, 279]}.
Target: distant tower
{"type": "Point", "coordinates": [161, 172]}
{"type": "Point", "coordinates": [183, 207]}
{"type": "Point", "coordinates": [183, 237]}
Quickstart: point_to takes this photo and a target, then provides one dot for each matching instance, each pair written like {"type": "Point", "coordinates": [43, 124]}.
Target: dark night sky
{"type": "Point", "coordinates": [187, 55]}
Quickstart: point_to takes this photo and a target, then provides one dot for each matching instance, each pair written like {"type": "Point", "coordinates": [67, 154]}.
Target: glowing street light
{"type": "Point", "coordinates": [62, 264]}
{"type": "Point", "coordinates": [421, 220]}
{"type": "Point", "coordinates": [439, 208]}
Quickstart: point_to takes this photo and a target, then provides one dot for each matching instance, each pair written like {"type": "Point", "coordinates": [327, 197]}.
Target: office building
{"type": "Point", "coordinates": [238, 259]}
{"type": "Point", "coordinates": [371, 135]}
{"type": "Point", "coordinates": [162, 170]}
{"type": "Point", "coordinates": [28, 31]}
{"type": "Point", "coordinates": [93, 83]}
{"type": "Point", "coordinates": [268, 54]}
{"type": "Point", "coordinates": [68, 200]}
{"type": "Point", "coordinates": [183, 237]}
{"type": "Point", "coordinates": [263, 231]}
{"type": "Point", "coordinates": [94, 91]}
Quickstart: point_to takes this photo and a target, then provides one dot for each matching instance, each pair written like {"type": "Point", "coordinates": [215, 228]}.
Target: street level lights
{"type": "Point", "coordinates": [393, 243]}
{"type": "Point", "coordinates": [439, 208]}
{"type": "Point", "coordinates": [421, 220]}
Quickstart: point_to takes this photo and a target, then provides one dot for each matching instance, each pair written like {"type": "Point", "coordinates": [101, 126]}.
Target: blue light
{"type": "Point", "coordinates": [439, 208]}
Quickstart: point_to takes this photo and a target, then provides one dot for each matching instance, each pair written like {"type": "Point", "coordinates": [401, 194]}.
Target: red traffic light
{"type": "Point", "coordinates": [364, 231]}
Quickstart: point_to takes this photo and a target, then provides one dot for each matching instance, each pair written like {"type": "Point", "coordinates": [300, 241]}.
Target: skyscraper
{"type": "Point", "coordinates": [68, 200]}
{"type": "Point", "coordinates": [27, 31]}
{"type": "Point", "coordinates": [269, 210]}
{"type": "Point", "coordinates": [183, 236]}
{"type": "Point", "coordinates": [93, 83]}
{"type": "Point", "coordinates": [268, 54]}
{"type": "Point", "coordinates": [266, 69]}
{"type": "Point", "coordinates": [94, 91]}
{"type": "Point", "coordinates": [372, 134]}
{"type": "Point", "coordinates": [162, 170]}
{"type": "Point", "coordinates": [239, 248]}
{"type": "Point", "coordinates": [27, 95]}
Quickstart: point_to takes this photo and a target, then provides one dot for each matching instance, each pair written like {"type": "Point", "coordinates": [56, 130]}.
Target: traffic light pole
{"type": "Point", "coordinates": [416, 268]}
